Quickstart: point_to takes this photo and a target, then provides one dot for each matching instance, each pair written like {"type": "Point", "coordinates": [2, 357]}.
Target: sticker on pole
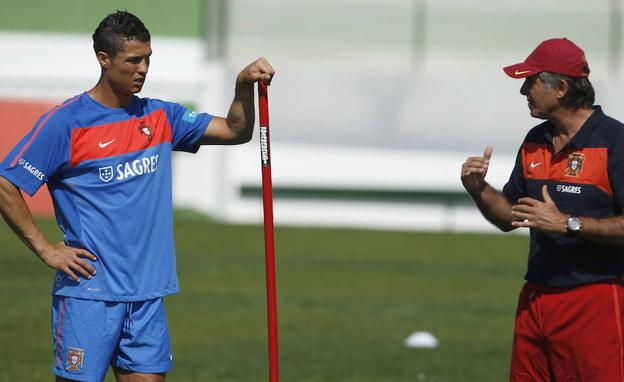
{"type": "Point", "coordinates": [264, 146]}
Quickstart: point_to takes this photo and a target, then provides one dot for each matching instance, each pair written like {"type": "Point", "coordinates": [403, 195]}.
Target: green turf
{"type": "Point", "coordinates": [346, 298]}
{"type": "Point", "coordinates": [162, 17]}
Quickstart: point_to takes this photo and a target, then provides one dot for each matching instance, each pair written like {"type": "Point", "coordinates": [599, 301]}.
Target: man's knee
{"type": "Point", "coordinates": [122, 375]}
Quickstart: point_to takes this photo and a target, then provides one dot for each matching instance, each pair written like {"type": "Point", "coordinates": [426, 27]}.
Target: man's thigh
{"type": "Point", "coordinates": [573, 334]}
{"type": "Point", "coordinates": [529, 359]}
{"type": "Point", "coordinates": [584, 329]}
{"type": "Point", "coordinates": [85, 334]}
{"type": "Point", "coordinates": [144, 346]}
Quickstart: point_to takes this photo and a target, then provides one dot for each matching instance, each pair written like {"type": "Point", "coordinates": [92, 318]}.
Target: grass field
{"type": "Point", "coordinates": [347, 299]}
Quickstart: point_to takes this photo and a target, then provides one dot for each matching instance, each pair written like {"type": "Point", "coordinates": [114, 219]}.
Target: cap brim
{"type": "Point", "coordinates": [521, 70]}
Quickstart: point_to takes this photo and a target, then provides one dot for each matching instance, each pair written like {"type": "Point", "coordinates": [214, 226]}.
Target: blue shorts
{"type": "Point", "coordinates": [89, 336]}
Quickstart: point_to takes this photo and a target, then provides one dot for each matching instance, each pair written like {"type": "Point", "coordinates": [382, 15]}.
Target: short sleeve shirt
{"type": "Point", "coordinates": [108, 171]}
{"type": "Point", "coordinates": [585, 178]}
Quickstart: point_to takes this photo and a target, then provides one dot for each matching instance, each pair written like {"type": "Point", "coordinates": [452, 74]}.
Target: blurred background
{"type": "Point", "coordinates": [373, 110]}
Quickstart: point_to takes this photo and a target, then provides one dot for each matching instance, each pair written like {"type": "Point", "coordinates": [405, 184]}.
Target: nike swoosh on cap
{"type": "Point", "coordinates": [519, 73]}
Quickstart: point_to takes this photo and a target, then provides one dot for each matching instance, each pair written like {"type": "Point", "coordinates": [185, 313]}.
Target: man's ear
{"type": "Point", "coordinates": [562, 89]}
{"type": "Point", "coordinates": [104, 60]}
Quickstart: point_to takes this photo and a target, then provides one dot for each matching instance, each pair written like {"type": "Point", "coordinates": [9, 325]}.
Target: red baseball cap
{"type": "Point", "coordinates": [557, 55]}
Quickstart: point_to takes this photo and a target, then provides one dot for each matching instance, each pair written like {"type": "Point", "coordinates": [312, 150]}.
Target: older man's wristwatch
{"type": "Point", "coordinates": [574, 225]}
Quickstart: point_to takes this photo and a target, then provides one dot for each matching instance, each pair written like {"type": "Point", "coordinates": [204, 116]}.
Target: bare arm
{"type": "Point", "coordinates": [58, 256]}
{"type": "Point", "coordinates": [238, 126]}
{"type": "Point", "coordinates": [491, 202]}
{"type": "Point", "coordinates": [545, 216]}
{"type": "Point", "coordinates": [494, 207]}
{"type": "Point", "coordinates": [606, 230]}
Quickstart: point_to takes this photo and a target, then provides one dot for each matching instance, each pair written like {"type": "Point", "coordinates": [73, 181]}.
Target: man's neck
{"type": "Point", "coordinates": [568, 122]}
{"type": "Point", "coordinates": [104, 94]}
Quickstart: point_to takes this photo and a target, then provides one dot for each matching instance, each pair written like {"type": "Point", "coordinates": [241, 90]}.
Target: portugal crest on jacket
{"type": "Point", "coordinates": [575, 164]}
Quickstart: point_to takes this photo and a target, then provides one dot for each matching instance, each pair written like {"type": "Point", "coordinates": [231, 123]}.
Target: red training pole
{"type": "Point", "coordinates": [269, 246]}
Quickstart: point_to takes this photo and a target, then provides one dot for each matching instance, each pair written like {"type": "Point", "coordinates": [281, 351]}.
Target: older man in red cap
{"type": "Point", "coordinates": [567, 187]}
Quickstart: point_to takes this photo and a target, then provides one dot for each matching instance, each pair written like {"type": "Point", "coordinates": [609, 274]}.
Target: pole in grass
{"type": "Point", "coordinates": [269, 246]}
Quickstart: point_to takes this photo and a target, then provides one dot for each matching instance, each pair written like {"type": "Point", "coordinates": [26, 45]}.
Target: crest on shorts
{"type": "Point", "coordinates": [145, 130]}
{"type": "Point", "coordinates": [75, 358]}
{"type": "Point", "coordinates": [575, 164]}
{"type": "Point", "coordinates": [106, 173]}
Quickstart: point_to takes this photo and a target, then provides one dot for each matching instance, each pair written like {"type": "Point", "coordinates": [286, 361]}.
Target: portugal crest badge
{"type": "Point", "coordinates": [575, 164]}
{"type": "Point", "coordinates": [145, 130]}
{"type": "Point", "coordinates": [75, 359]}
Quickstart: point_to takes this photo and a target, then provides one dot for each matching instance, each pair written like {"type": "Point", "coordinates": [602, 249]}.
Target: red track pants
{"type": "Point", "coordinates": [569, 334]}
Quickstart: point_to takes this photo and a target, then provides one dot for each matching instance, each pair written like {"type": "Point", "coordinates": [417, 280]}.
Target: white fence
{"type": "Point", "coordinates": [335, 186]}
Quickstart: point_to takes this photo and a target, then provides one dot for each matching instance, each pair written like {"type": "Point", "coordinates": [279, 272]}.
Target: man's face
{"type": "Point", "coordinates": [542, 100]}
{"type": "Point", "coordinates": [128, 68]}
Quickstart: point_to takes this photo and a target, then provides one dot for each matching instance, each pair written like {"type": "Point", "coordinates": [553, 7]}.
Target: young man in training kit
{"type": "Point", "coordinates": [106, 157]}
{"type": "Point", "coordinates": [567, 186]}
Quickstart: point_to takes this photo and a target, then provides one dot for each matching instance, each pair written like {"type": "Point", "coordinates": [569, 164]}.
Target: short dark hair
{"type": "Point", "coordinates": [580, 94]}
{"type": "Point", "coordinates": [116, 28]}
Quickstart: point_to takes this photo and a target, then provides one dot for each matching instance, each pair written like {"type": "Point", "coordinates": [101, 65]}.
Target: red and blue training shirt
{"type": "Point", "coordinates": [109, 174]}
{"type": "Point", "coordinates": [585, 178]}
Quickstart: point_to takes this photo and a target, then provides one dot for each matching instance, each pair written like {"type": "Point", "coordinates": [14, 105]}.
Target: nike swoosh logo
{"type": "Point", "coordinates": [518, 73]}
{"type": "Point", "coordinates": [533, 164]}
{"type": "Point", "coordinates": [102, 145]}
